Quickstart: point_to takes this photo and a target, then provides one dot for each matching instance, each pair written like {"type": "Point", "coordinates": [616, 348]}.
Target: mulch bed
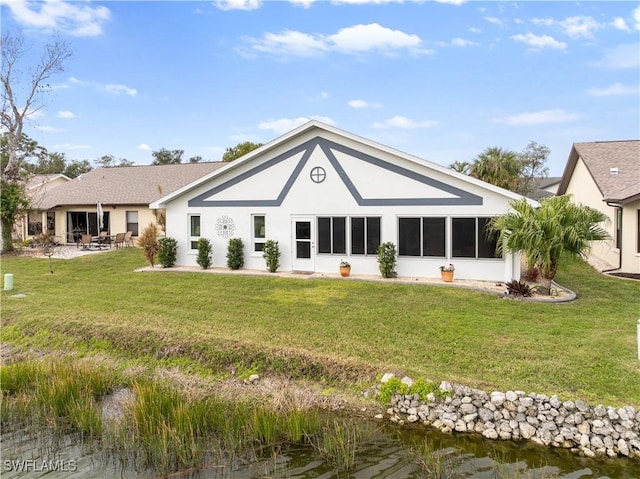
{"type": "Point", "coordinates": [635, 276]}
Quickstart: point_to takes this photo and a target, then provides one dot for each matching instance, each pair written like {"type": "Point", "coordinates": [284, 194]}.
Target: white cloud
{"type": "Point", "coordinates": [461, 42]}
{"type": "Point", "coordinates": [351, 40]}
{"type": "Point", "coordinates": [66, 114]}
{"type": "Point", "coordinates": [363, 38]}
{"type": "Point", "coordinates": [615, 89]}
{"type": "Point", "coordinates": [303, 3]}
{"type": "Point", "coordinates": [71, 146]}
{"type": "Point", "coordinates": [143, 147]}
{"type": "Point", "coordinates": [494, 20]}
{"type": "Point", "coordinates": [404, 122]}
{"type": "Point", "coordinates": [452, 2]}
{"type": "Point", "coordinates": [539, 117]}
{"type": "Point", "coordinates": [117, 89]}
{"type": "Point", "coordinates": [109, 88]}
{"type": "Point", "coordinates": [238, 4]}
{"type": "Point", "coordinates": [621, 57]}
{"type": "Point", "coordinates": [475, 30]}
{"type": "Point", "coordinates": [636, 17]}
{"type": "Point", "coordinates": [580, 26]}
{"type": "Point", "coordinates": [363, 104]}
{"type": "Point", "coordinates": [621, 24]}
{"type": "Point", "coordinates": [284, 125]}
{"type": "Point", "coordinates": [47, 128]}
{"type": "Point", "coordinates": [539, 41]}
{"type": "Point", "coordinates": [73, 18]}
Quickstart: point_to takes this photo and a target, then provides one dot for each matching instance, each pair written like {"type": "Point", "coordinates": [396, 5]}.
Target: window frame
{"type": "Point", "coordinates": [332, 235]}
{"type": "Point", "coordinates": [420, 243]}
{"type": "Point", "coordinates": [366, 233]}
{"type": "Point", "coordinates": [193, 239]}
{"type": "Point", "coordinates": [132, 226]}
{"type": "Point", "coordinates": [256, 239]}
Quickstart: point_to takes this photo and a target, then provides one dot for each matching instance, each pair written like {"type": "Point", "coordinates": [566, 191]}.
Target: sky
{"type": "Point", "coordinates": [440, 80]}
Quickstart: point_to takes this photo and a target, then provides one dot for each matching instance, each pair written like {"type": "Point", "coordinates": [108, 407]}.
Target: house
{"type": "Point", "coordinates": [605, 175]}
{"type": "Point", "coordinates": [545, 187]}
{"type": "Point", "coordinates": [124, 194]}
{"type": "Point", "coordinates": [327, 195]}
{"type": "Point", "coordinates": [35, 221]}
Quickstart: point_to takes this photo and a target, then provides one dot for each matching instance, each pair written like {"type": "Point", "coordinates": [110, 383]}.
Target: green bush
{"type": "Point", "coordinates": [205, 250]}
{"type": "Point", "coordinates": [421, 387]}
{"type": "Point", "coordinates": [235, 253]}
{"type": "Point", "coordinates": [168, 251]}
{"type": "Point", "coordinates": [271, 254]}
{"type": "Point", "coordinates": [387, 260]}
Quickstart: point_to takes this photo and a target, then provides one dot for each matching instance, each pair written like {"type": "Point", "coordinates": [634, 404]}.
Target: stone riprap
{"type": "Point", "coordinates": [515, 415]}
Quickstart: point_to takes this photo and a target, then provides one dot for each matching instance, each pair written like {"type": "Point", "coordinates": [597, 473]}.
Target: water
{"type": "Point", "coordinates": [390, 454]}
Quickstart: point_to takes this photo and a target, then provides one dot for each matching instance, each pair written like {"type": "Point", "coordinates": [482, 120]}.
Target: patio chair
{"type": "Point", "coordinates": [104, 238]}
{"type": "Point", "coordinates": [119, 240]}
{"type": "Point", "coordinates": [128, 239]}
{"type": "Point", "coordinates": [85, 241]}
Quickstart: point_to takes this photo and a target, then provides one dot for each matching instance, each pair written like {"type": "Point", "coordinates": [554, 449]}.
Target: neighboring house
{"type": "Point", "coordinates": [545, 187]}
{"type": "Point", "coordinates": [326, 195]}
{"type": "Point", "coordinates": [124, 194]}
{"type": "Point", "coordinates": [36, 220]}
{"type": "Point", "coordinates": [605, 175]}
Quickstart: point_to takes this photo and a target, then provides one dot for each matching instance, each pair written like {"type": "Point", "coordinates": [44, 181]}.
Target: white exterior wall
{"type": "Point", "coordinates": [584, 191]}
{"type": "Point", "coordinates": [332, 198]}
{"type": "Point", "coordinates": [630, 229]}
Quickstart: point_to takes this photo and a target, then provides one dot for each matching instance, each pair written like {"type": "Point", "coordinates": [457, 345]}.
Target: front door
{"type": "Point", "coordinates": [303, 244]}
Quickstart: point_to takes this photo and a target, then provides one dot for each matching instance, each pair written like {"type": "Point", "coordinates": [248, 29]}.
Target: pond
{"type": "Point", "coordinates": [393, 452]}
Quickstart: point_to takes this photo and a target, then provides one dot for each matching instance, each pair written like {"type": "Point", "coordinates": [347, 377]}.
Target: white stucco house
{"type": "Point", "coordinates": [605, 175]}
{"type": "Point", "coordinates": [327, 195]}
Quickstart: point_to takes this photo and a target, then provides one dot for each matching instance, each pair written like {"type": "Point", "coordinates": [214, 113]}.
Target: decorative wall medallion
{"type": "Point", "coordinates": [318, 174]}
{"type": "Point", "coordinates": [225, 227]}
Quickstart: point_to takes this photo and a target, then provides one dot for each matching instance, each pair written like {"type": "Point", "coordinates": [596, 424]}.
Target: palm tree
{"type": "Point", "coordinates": [498, 167]}
{"type": "Point", "coordinates": [545, 233]}
{"type": "Point", "coordinates": [461, 166]}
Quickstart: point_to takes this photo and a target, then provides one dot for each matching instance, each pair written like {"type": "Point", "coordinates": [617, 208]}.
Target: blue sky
{"type": "Point", "coordinates": [439, 80]}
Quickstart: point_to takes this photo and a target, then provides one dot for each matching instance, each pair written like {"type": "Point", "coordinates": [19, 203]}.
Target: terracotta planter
{"type": "Point", "coordinates": [447, 276]}
{"type": "Point", "coordinates": [345, 271]}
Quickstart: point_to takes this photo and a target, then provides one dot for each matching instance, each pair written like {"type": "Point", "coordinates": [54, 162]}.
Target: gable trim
{"type": "Point", "coordinates": [462, 197]}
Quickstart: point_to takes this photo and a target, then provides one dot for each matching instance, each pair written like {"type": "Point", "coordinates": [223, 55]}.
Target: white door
{"type": "Point", "coordinates": [304, 248]}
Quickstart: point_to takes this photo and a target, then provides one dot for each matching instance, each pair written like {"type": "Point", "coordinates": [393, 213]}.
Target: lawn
{"type": "Point", "coordinates": [332, 330]}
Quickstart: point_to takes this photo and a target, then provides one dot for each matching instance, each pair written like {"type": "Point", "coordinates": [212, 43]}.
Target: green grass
{"type": "Point", "coordinates": [332, 330]}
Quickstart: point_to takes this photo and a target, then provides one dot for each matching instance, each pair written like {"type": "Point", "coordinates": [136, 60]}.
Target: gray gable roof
{"type": "Point", "coordinates": [126, 185]}
{"type": "Point", "coordinates": [600, 157]}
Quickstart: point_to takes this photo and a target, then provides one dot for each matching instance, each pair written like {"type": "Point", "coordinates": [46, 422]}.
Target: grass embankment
{"type": "Point", "coordinates": [332, 330]}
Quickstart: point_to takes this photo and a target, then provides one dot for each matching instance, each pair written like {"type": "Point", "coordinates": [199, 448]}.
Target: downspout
{"type": "Point", "coordinates": [615, 205]}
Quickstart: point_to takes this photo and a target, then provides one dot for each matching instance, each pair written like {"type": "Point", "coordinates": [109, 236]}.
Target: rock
{"type": "Point", "coordinates": [497, 398]}
{"type": "Point", "coordinates": [445, 387]}
{"type": "Point", "coordinates": [582, 406]}
{"type": "Point", "coordinates": [254, 378]}
{"type": "Point", "coordinates": [587, 452]}
{"type": "Point", "coordinates": [527, 431]}
{"type": "Point", "coordinates": [623, 447]}
{"type": "Point", "coordinates": [490, 433]}
{"type": "Point", "coordinates": [407, 380]}
{"type": "Point", "coordinates": [511, 396]}
{"type": "Point", "coordinates": [386, 377]}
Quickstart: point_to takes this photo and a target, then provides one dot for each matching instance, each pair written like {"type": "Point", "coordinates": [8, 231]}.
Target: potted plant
{"type": "Point", "coordinates": [345, 268]}
{"type": "Point", "coordinates": [446, 272]}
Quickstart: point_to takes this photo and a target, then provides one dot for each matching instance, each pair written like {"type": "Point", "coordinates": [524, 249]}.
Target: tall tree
{"type": "Point", "coordinates": [497, 166]}
{"type": "Point", "coordinates": [235, 152]}
{"type": "Point", "coordinates": [195, 159]}
{"type": "Point", "coordinates": [167, 157]}
{"type": "Point", "coordinates": [533, 164]}
{"type": "Point", "coordinates": [109, 161]}
{"type": "Point", "coordinates": [546, 233]}
{"type": "Point", "coordinates": [461, 166]}
{"type": "Point", "coordinates": [76, 168]}
{"type": "Point", "coordinates": [20, 100]}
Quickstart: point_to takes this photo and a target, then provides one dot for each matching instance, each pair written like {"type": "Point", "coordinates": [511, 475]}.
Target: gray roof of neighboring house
{"type": "Point", "coordinates": [539, 185]}
{"type": "Point", "coordinates": [126, 185]}
{"type": "Point", "coordinates": [39, 180]}
{"type": "Point", "coordinates": [599, 158]}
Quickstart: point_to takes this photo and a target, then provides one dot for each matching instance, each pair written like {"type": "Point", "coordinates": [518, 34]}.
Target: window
{"type": "Point", "coordinates": [470, 238]}
{"type": "Point", "coordinates": [259, 232]}
{"type": "Point", "coordinates": [51, 222]}
{"type": "Point", "coordinates": [487, 240]}
{"type": "Point", "coordinates": [365, 235]}
{"type": "Point", "coordinates": [422, 236]}
{"type": "Point", "coordinates": [194, 231]}
{"type": "Point", "coordinates": [619, 228]}
{"type": "Point", "coordinates": [34, 223]}
{"type": "Point", "coordinates": [132, 222]}
{"type": "Point", "coordinates": [332, 235]}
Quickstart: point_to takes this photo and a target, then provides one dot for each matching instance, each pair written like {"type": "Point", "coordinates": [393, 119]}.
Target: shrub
{"type": "Point", "coordinates": [271, 254]}
{"type": "Point", "coordinates": [205, 250]}
{"type": "Point", "coordinates": [148, 241]}
{"type": "Point", "coordinates": [235, 253]}
{"type": "Point", "coordinates": [531, 274]}
{"type": "Point", "coordinates": [387, 260]}
{"type": "Point", "coordinates": [518, 288]}
{"type": "Point", "coordinates": [168, 251]}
